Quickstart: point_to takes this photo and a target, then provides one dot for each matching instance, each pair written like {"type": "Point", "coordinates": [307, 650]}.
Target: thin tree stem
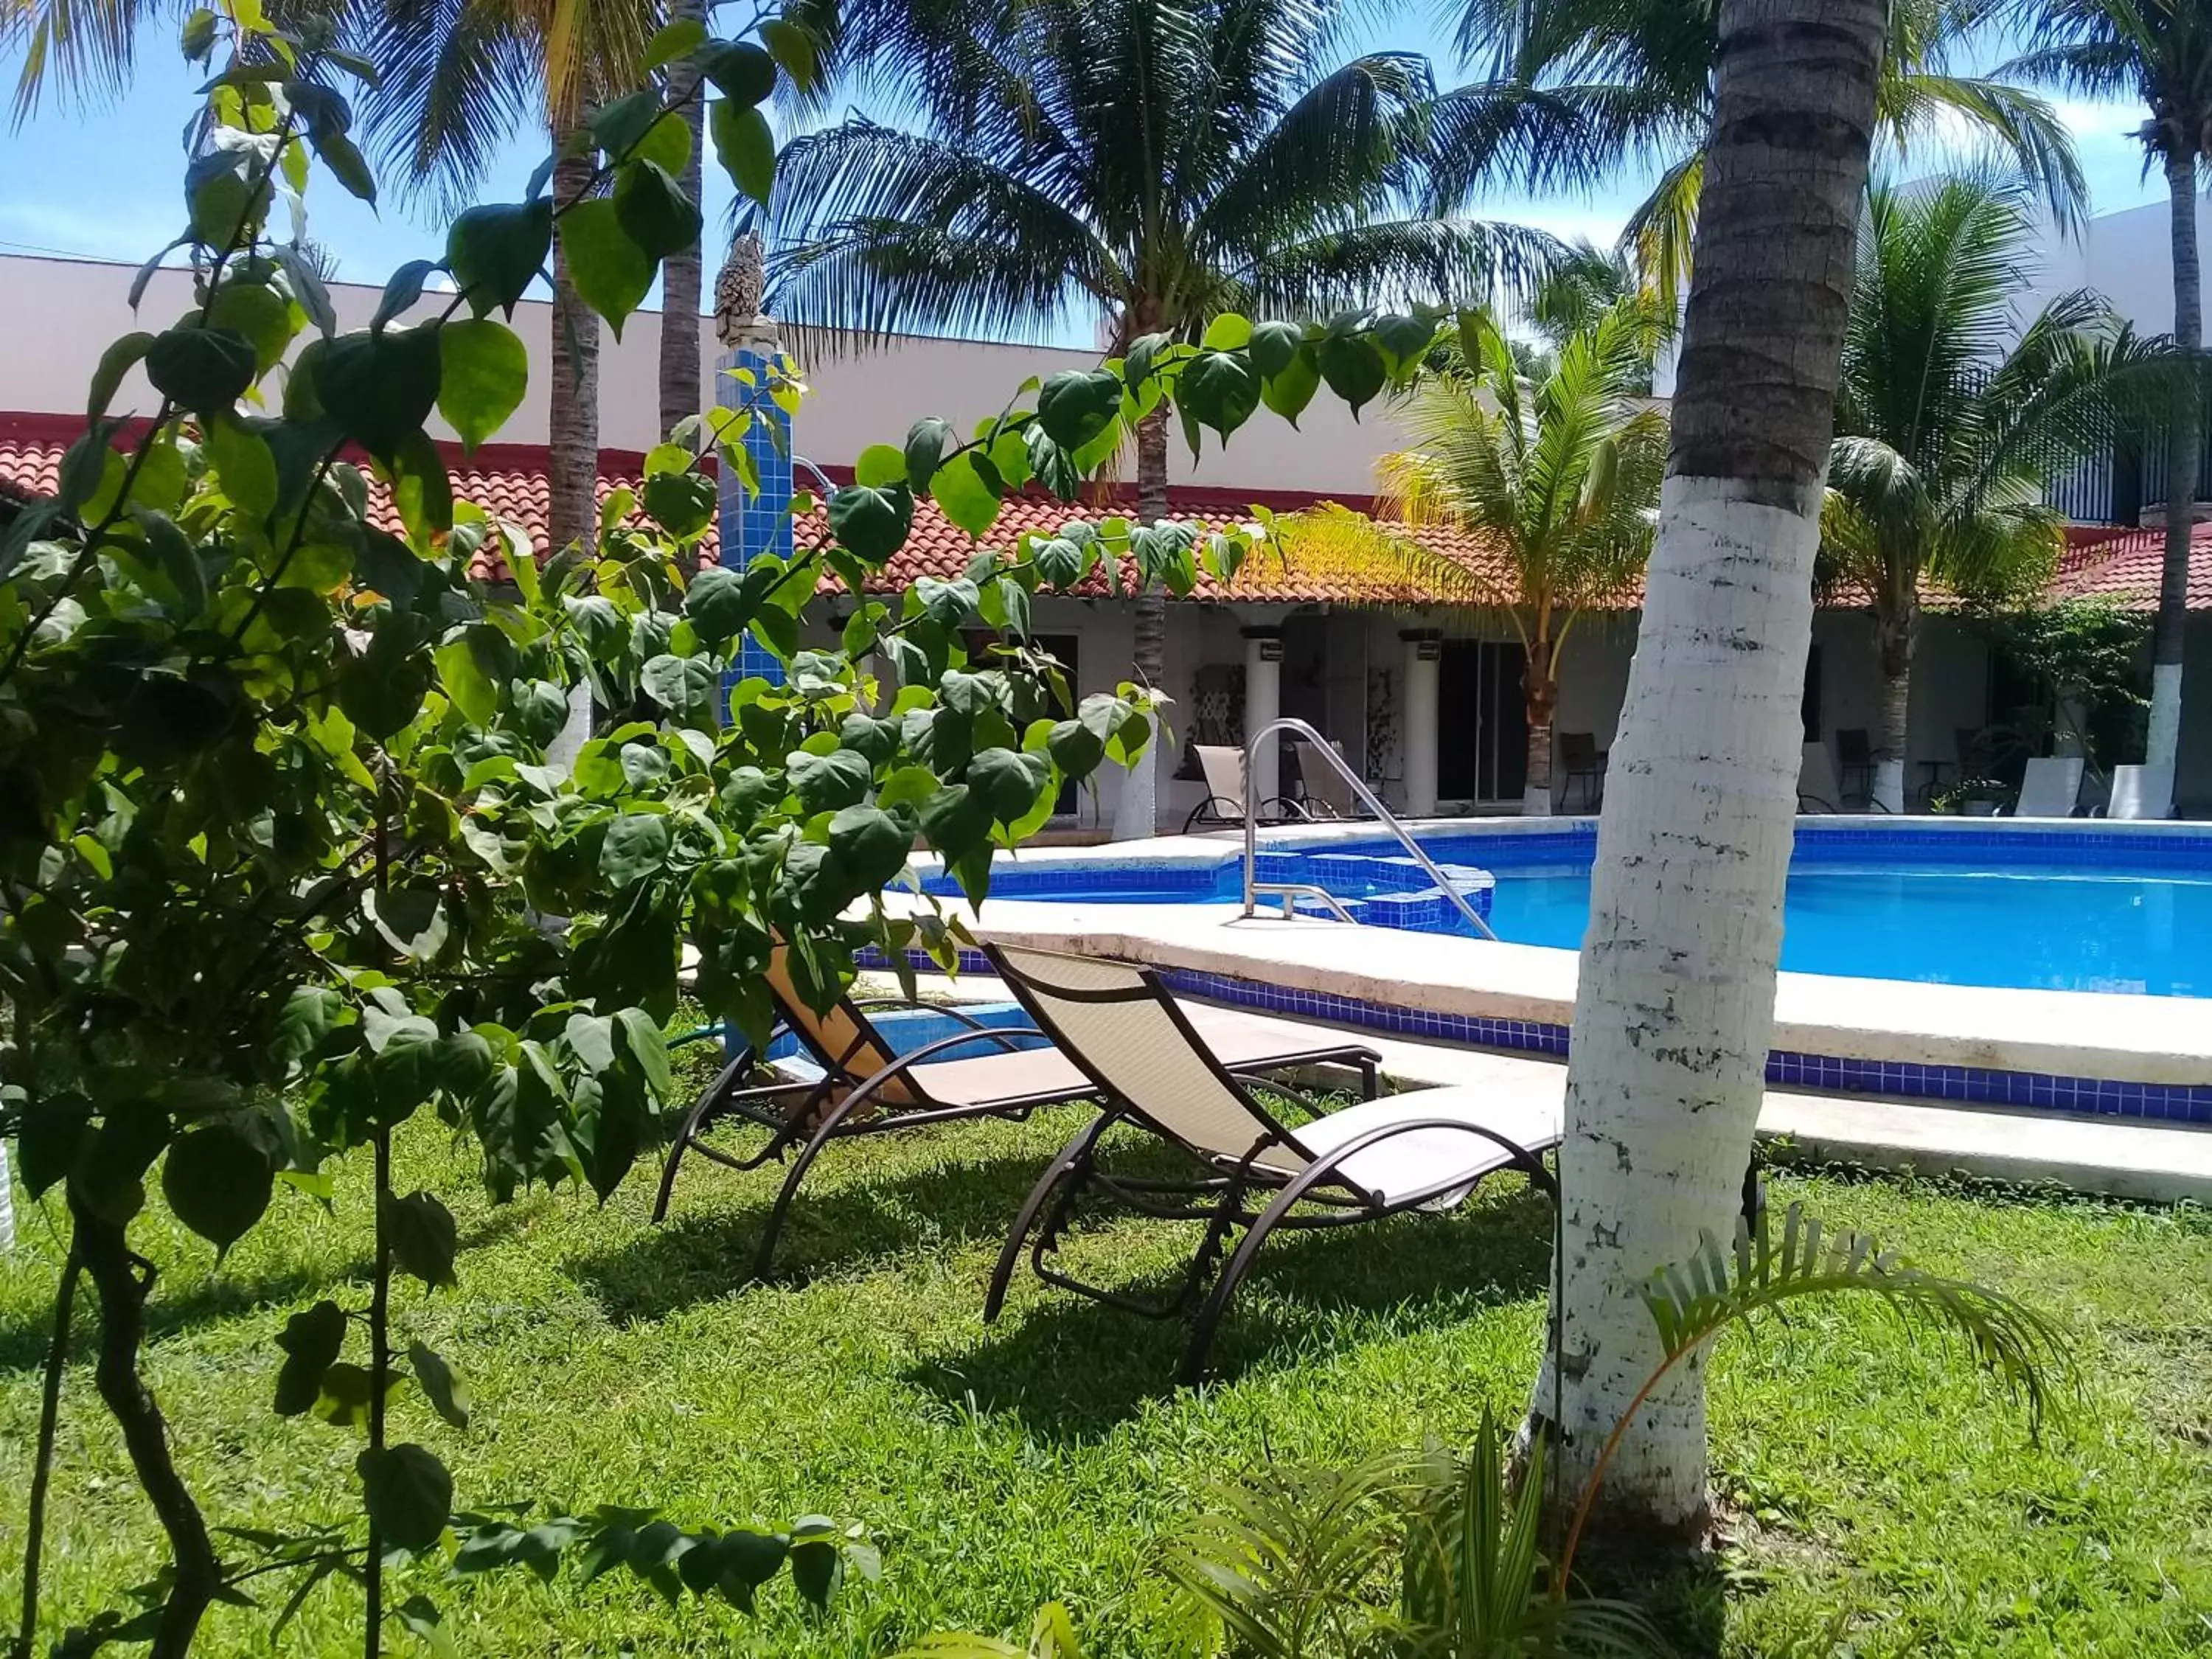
{"type": "Point", "coordinates": [379, 1369]}
{"type": "Point", "coordinates": [42, 1466]}
{"type": "Point", "coordinates": [122, 1281]}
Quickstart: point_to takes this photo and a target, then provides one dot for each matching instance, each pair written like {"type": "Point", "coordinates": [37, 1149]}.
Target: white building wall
{"type": "Point", "coordinates": [2128, 257]}
{"type": "Point", "coordinates": [856, 399]}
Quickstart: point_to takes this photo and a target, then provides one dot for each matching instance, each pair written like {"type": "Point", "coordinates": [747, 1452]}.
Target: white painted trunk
{"type": "Point", "coordinates": [1136, 810]}
{"type": "Point", "coordinates": [1676, 998]}
{"type": "Point", "coordinates": [2183, 439]}
{"type": "Point", "coordinates": [1889, 783]}
{"type": "Point", "coordinates": [2163, 743]}
{"type": "Point", "coordinates": [1676, 1001]}
{"type": "Point", "coordinates": [1536, 795]}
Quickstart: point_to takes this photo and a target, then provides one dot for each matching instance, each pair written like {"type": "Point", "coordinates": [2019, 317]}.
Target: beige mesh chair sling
{"type": "Point", "coordinates": [1226, 790]}
{"type": "Point", "coordinates": [1151, 1064]}
{"type": "Point", "coordinates": [868, 1087]}
{"type": "Point", "coordinates": [1324, 791]}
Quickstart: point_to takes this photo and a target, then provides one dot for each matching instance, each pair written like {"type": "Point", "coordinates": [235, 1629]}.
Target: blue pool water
{"type": "Point", "coordinates": [909, 1029]}
{"type": "Point", "coordinates": [2082, 909]}
{"type": "Point", "coordinates": [2055, 928]}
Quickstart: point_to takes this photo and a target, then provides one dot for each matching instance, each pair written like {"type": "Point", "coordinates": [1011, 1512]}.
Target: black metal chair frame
{"type": "Point", "coordinates": [1220, 812]}
{"type": "Point", "coordinates": [810, 1129]}
{"type": "Point", "coordinates": [1863, 766]}
{"type": "Point", "coordinates": [1341, 1201]}
{"type": "Point", "coordinates": [1590, 775]}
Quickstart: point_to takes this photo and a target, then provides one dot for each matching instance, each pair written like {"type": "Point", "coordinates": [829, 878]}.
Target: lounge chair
{"type": "Point", "coordinates": [1816, 783]}
{"type": "Point", "coordinates": [1583, 763]}
{"type": "Point", "coordinates": [2050, 788]}
{"type": "Point", "coordinates": [1152, 1063]}
{"type": "Point", "coordinates": [2141, 792]}
{"type": "Point", "coordinates": [868, 1087]}
{"type": "Point", "coordinates": [1816, 780]}
{"type": "Point", "coordinates": [1226, 792]}
{"type": "Point", "coordinates": [1323, 791]}
{"type": "Point", "coordinates": [1854, 761]}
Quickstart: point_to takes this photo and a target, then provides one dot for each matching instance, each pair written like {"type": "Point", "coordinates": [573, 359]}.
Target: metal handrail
{"type": "Point", "coordinates": [1289, 891]}
{"type": "Point", "coordinates": [1382, 816]}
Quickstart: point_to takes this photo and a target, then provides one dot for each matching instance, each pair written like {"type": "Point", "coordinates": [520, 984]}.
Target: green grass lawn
{"type": "Point", "coordinates": [1001, 1467]}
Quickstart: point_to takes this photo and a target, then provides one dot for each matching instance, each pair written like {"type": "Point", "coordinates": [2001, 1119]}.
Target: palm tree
{"type": "Point", "coordinates": [1576, 87]}
{"type": "Point", "coordinates": [1675, 999]}
{"type": "Point", "coordinates": [2160, 51]}
{"type": "Point", "coordinates": [1147, 164]}
{"type": "Point", "coordinates": [682, 272]}
{"type": "Point", "coordinates": [1560, 477]}
{"type": "Point", "coordinates": [457, 79]}
{"type": "Point", "coordinates": [1948, 438]}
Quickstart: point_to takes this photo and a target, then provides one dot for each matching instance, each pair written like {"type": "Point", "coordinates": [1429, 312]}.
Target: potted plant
{"type": "Point", "coordinates": [1973, 797]}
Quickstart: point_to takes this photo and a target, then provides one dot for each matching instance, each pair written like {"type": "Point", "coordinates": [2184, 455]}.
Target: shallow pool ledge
{"type": "Point", "coordinates": [2089, 1051]}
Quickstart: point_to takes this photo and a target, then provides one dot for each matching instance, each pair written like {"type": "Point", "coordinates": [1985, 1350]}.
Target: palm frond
{"type": "Point", "coordinates": [2089, 68]}
{"type": "Point", "coordinates": [1661, 232]}
{"type": "Point", "coordinates": [1692, 1301]}
{"type": "Point", "coordinates": [1950, 429]}
{"type": "Point", "coordinates": [2019, 128]}
{"type": "Point", "coordinates": [865, 279]}
{"type": "Point", "coordinates": [1052, 1636]}
{"type": "Point", "coordinates": [457, 79]}
{"type": "Point", "coordinates": [878, 231]}
{"type": "Point", "coordinates": [1544, 138]}
{"type": "Point", "coordinates": [1330, 153]}
{"type": "Point", "coordinates": [1396, 263]}
{"type": "Point", "coordinates": [1330, 539]}
{"type": "Point", "coordinates": [1286, 1565]}
{"type": "Point", "coordinates": [1475, 1580]}
{"type": "Point", "coordinates": [85, 48]}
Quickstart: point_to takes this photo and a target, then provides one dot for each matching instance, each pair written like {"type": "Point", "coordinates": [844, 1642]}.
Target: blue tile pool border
{"type": "Point", "coordinates": [1962, 1085]}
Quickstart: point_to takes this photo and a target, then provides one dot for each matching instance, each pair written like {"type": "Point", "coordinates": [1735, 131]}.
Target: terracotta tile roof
{"type": "Point", "coordinates": [2125, 568]}
{"type": "Point", "coordinates": [509, 480]}
{"type": "Point", "coordinates": [937, 547]}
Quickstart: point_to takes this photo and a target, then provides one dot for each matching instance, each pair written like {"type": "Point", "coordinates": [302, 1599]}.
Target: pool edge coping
{"type": "Point", "coordinates": [1964, 1044]}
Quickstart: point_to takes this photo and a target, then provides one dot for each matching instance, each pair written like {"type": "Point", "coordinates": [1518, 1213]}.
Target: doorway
{"type": "Point", "coordinates": [1482, 721]}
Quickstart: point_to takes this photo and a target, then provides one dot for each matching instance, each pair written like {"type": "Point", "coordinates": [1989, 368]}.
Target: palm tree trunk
{"type": "Point", "coordinates": [1540, 693]}
{"type": "Point", "coordinates": [1895, 637]}
{"type": "Point", "coordinates": [2184, 439]}
{"type": "Point", "coordinates": [1675, 999]}
{"type": "Point", "coordinates": [573, 457]}
{"type": "Point", "coordinates": [1136, 812]}
{"type": "Point", "coordinates": [680, 273]}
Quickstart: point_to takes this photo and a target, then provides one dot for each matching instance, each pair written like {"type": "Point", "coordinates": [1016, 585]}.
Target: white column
{"type": "Point", "coordinates": [2073, 719]}
{"type": "Point", "coordinates": [1263, 703]}
{"type": "Point", "coordinates": [576, 732]}
{"type": "Point", "coordinates": [1424, 651]}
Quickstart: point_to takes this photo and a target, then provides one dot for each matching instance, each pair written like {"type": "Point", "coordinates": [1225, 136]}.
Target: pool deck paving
{"type": "Point", "coordinates": [2113, 1160]}
{"type": "Point", "coordinates": [2128, 1160]}
{"type": "Point", "coordinates": [2086, 1034]}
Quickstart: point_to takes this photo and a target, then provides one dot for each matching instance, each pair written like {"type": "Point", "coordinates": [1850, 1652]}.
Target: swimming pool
{"type": "Point", "coordinates": [2075, 908]}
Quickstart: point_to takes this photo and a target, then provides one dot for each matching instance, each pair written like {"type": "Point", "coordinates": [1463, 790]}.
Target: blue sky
{"type": "Point", "coordinates": [105, 182]}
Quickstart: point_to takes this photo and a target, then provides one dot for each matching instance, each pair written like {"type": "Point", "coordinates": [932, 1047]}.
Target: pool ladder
{"type": "Point", "coordinates": [1291, 891]}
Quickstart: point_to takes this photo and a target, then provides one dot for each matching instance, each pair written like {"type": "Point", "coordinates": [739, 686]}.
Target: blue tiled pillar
{"type": "Point", "coordinates": [753, 525]}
